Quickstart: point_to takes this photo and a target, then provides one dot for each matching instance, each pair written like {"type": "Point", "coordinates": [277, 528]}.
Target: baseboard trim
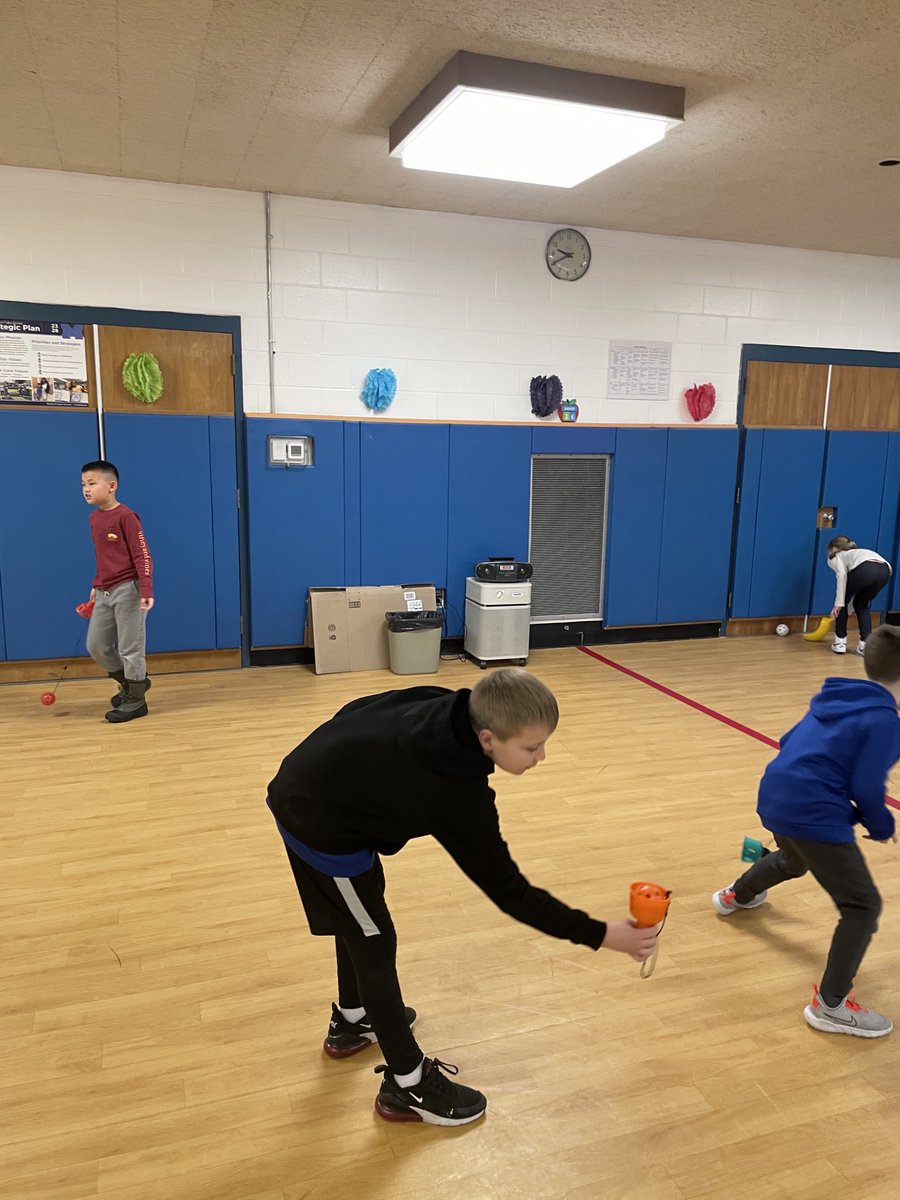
{"type": "Point", "coordinates": [593, 633]}
{"type": "Point", "coordinates": [33, 670]}
{"type": "Point", "coordinates": [754, 626]}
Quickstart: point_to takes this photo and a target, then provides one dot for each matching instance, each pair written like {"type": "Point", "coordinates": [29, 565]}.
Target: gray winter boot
{"type": "Point", "coordinates": [119, 698]}
{"type": "Point", "coordinates": [133, 705]}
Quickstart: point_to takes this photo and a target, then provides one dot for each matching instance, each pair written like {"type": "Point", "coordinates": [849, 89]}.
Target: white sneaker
{"type": "Point", "coordinates": [839, 645]}
{"type": "Point", "coordinates": [861, 648]}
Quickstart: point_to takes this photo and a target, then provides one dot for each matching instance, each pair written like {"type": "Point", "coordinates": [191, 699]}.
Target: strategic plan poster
{"type": "Point", "coordinates": [43, 362]}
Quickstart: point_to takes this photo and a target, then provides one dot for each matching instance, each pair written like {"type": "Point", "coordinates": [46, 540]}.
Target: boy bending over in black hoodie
{"type": "Point", "coordinates": [402, 765]}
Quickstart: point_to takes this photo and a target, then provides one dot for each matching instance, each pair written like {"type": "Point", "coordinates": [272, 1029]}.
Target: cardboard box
{"type": "Point", "coordinates": [346, 626]}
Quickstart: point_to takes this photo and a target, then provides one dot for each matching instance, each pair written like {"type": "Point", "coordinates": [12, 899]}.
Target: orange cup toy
{"type": "Point", "coordinates": [649, 905]}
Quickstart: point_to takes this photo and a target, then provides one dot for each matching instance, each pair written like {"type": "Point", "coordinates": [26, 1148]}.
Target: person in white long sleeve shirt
{"type": "Point", "coordinates": [861, 574]}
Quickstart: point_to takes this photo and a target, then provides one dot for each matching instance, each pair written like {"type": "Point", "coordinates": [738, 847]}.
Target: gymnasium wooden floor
{"type": "Point", "coordinates": [164, 1006]}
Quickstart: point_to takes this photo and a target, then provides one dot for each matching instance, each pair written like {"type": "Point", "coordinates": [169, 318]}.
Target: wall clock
{"type": "Point", "coordinates": [568, 254]}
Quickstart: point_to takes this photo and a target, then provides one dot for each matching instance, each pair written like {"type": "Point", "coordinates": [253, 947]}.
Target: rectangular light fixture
{"type": "Point", "coordinates": [498, 118]}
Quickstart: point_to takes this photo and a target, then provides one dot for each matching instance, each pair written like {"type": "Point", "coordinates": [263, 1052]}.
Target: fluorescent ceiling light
{"type": "Point", "coordinates": [501, 119]}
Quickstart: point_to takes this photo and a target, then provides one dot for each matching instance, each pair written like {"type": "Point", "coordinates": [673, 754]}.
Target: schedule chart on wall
{"type": "Point", "coordinates": [639, 370]}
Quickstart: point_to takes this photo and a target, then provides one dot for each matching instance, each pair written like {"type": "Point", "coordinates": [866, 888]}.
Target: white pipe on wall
{"type": "Point", "coordinates": [270, 317]}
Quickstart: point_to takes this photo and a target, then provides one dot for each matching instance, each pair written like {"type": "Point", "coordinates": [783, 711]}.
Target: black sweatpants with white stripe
{"type": "Point", "coordinates": [355, 913]}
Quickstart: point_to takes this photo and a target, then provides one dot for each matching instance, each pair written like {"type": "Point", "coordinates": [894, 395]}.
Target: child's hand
{"type": "Point", "coordinates": [625, 937]}
{"type": "Point", "coordinates": [91, 596]}
{"type": "Point", "coordinates": [146, 603]}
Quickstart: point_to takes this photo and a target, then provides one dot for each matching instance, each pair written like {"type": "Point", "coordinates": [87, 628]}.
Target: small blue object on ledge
{"type": "Point", "coordinates": [379, 389]}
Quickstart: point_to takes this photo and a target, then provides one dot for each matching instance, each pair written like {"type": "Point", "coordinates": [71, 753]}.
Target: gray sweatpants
{"type": "Point", "coordinates": [116, 636]}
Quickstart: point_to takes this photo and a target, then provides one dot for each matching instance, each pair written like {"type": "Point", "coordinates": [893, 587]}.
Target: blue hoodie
{"type": "Point", "coordinates": [832, 767]}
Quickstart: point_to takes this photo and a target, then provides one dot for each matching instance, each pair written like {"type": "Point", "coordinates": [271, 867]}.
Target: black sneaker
{"type": "Point", "coordinates": [349, 1037]}
{"type": "Point", "coordinates": [435, 1099]}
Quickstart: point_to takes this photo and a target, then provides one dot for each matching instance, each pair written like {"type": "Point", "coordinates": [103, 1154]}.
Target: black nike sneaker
{"type": "Point", "coordinates": [436, 1099]}
{"type": "Point", "coordinates": [349, 1037]}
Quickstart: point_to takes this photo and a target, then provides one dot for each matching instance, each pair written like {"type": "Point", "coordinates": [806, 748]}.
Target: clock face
{"type": "Point", "coordinates": [568, 254]}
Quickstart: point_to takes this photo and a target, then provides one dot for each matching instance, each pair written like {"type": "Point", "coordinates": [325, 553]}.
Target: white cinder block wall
{"type": "Point", "coordinates": [462, 308]}
{"type": "Point", "coordinates": [123, 243]}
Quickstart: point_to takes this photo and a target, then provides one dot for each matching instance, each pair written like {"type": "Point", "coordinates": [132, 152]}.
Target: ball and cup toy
{"type": "Point", "coordinates": [821, 632]}
{"type": "Point", "coordinates": [48, 699]}
{"type": "Point", "coordinates": [649, 904]}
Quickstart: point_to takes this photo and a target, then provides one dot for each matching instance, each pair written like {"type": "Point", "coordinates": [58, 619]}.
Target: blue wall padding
{"type": "Point", "coordinates": [296, 527]}
{"type": "Point", "coordinates": [790, 476]}
{"type": "Point", "coordinates": [46, 557]}
{"type": "Point", "coordinates": [854, 483]}
{"type": "Point", "coordinates": [490, 491]}
{"type": "Point", "coordinates": [697, 517]}
{"type": "Point", "coordinates": [889, 527]}
{"type": "Point", "coordinates": [403, 503]}
{"type": "Point", "coordinates": [745, 540]}
{"type": "Point", "coordinates": [635, 527]}
{"type": "Point", "coordinates": [164, 468]}
{"type": "Point", "coordinates": [352, 515]}
{"type": "Point", "coordinates": [571, 439]}
{"type": "Point", "coordinates": [223, 479]}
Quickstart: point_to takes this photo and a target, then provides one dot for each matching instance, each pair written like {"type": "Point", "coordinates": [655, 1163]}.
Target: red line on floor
{"type": "Point", "coordinates": [710, 712]}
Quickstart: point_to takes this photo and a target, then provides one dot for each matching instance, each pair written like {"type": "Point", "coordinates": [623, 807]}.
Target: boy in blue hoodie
{"type": "Point", "coordinates": [829, 775]}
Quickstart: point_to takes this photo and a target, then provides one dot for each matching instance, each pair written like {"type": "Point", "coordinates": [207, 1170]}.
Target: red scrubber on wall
{"type": "Point", "coordinates": [701, 400]}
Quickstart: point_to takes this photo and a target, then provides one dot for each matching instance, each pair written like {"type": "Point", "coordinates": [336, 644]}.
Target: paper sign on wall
{"type": "Point", "coordinates": [43, 362]}
{"type": "Point", "coordinates": [639, 370]}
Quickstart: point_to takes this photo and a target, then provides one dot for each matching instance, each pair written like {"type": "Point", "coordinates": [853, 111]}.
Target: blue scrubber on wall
{"type": "Point", "coordinates": [379, 389]}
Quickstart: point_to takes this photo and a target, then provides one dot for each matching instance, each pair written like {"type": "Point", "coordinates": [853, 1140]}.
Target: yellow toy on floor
{"type": "Point", "coordinates": [826, 625]}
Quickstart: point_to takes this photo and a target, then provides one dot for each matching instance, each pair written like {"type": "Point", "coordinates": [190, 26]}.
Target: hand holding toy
{"type": "Point", "coordinates": [649, 907]}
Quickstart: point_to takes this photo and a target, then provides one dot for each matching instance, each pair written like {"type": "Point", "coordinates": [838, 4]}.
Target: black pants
{"type": "Point", "coordinates": [842, 872]}
{"type": "Point", "coordinates": [355, 913]}
{"type": "Point", "coordinates": [863, 585]}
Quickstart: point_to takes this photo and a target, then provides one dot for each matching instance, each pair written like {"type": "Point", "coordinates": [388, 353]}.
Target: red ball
{"type": "Point", "coordinates": [48, 698]}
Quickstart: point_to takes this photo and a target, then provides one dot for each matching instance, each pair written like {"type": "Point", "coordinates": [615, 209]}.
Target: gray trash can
{"type": "Point", "coordinates": [414, 642]}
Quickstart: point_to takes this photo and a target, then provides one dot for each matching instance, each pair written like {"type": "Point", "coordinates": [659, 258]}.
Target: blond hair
{"type": "Point", "coordinates": [508, 700]}
{"type": "Point", "coordinates": [839, 543]}
{"type": "Point", "coordinates": [881, 657]}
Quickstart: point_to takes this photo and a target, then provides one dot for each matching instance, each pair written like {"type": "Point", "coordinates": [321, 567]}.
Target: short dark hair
{"type": "Point", "coordinates": [881, 657]}
{"type": "Point", "coordinates": [102, 467]}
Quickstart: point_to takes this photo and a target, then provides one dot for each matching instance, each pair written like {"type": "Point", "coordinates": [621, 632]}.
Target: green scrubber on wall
{"type": "Point", "coordinates": [142, 377]}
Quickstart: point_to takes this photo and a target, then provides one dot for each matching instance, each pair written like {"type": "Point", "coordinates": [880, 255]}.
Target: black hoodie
{"type": "Point", "coordinates": [408, 764]}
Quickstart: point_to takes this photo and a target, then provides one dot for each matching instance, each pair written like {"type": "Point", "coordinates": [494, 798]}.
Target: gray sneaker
{"type": "Point", "coordinates": [847, 1017]}
{"type": "Point", "coordinates": [725, 904]}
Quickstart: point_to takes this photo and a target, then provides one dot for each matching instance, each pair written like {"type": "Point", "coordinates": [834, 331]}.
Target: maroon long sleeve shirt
{"type": "Point", "coordinates": [121, 550]}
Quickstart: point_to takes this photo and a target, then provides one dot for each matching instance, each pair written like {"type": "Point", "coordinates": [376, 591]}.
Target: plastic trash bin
{"type": "Point", "coordinates": [414, 642]}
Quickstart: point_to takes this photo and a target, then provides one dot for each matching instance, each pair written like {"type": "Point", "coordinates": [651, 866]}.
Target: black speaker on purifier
{"type": "Point", "coordinates": [503, 569]}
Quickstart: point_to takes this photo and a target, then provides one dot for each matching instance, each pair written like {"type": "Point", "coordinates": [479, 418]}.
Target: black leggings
{"type": "Point", "coordinates": [863, 585]}
{"type": "Point", "coordinates": [842, 871]}
{"type": "Point", "coordinates": [355, 913]}
{"type": "Point", "coordinates": [367, 978]}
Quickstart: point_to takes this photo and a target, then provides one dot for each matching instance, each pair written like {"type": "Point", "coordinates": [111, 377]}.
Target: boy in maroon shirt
{"type": "Point", "coordinates": [122, 591]}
